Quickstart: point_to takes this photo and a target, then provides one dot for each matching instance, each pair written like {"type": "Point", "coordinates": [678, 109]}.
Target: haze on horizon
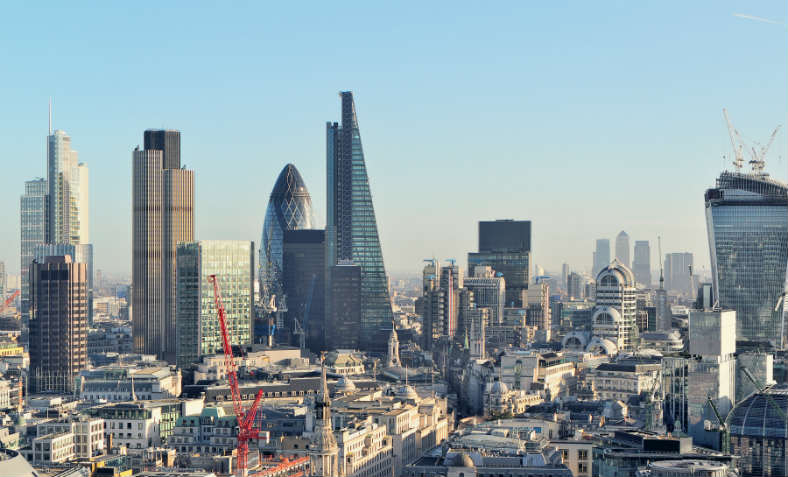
{"type": "Point", "coordinates": [585, 119]}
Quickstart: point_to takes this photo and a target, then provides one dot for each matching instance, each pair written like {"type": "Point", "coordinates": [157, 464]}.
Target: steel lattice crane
{"type": "Point", "coordinates": [9, 300]}
{"type": "Point", "coordinates": [246, 430]}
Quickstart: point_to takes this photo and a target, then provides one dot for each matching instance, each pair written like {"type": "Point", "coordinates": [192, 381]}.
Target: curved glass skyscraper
{"type": "Point", "coordinates": [289, 208]}
{"type": "Point", "coordinates": [747, 224]}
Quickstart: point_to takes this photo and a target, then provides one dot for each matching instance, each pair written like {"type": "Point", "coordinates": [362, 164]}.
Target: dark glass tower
{"type": "Point", "coordinates": [169, 142]}
{"type": "Point", "coordinates": [351, 228]}
{"type": "Point", "coordinates": [505, 245]}
{"type": "Point", "coordinates": [747, 224]}
{"type": "Point", "coordinates": [303, 281]}
{"type": "Point", "coordinates": [289, 208]}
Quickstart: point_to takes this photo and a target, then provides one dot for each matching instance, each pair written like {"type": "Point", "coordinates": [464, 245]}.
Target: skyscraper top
{"type": "Point", "coordinates": [505, 236]}
{"type": "Point", "coordinates": [169, 142]}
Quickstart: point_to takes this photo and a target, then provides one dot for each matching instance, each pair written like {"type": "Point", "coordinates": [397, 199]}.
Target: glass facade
{"type": "Point", "coordinates": [758, 434]}
{"type": "Point", "coordinates": [289, 208]}
{"type": "Point", "coordinates": [197, 323]}
{"type": "Point", "coordinates": [747, 225]}
{"type": "Point", "coordinates": [33, 227]}
{"type": "Point", "coordinates": [352, 231]}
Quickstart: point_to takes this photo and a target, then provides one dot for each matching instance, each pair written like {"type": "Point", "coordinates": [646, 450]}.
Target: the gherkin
{"type": "Point", "coordinates": [289, 208]}
{"type": "Point", "coordinates": [351, 227]}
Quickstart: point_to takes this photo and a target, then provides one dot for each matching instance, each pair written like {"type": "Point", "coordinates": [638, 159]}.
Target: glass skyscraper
{"type": "Point", "coordinates": [33, 227]}
{"type": "Point", "coordinates": [747, 225]}
{"type": "Point", "coordinates": [505, 246]}
{"type": "Point", "coordinates": [289, 208]}
{"type": "Point", "coordinates": [197, 323]}
{"type": "Point", "coordinates": [351, 227]}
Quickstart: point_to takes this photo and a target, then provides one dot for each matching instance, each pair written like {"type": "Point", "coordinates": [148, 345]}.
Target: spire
{"type": "Point", "coordinates": [324, 398]}
{"type": "Point", "coordinates": [50, 115]}
{"type": "Point", "coordinates": [661, 274]}
{"type": "Point", "coordinates": [133, 394]}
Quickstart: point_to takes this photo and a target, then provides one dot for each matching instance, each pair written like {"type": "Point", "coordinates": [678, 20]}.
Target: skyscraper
{"type": "Point", "coordinates": [163, 216]}
{"type": "Point", "coordinates": [343, 306]}
{"type": "Point", "coordinates": [198, 332]}
{"type": "Point", "coordinates": [747, 225]}
{"type": "Point", "coordinates": [80, 253]}
{"type": "Point", "coordinates": [622, 248]}
{"type": "Point", "coordinates": [677, 272]}
{"type": "Point", "coordinates": [303, 282]}
{"type": "Point", "coordinates": [505, 246]}
{"type": "Point", "coordinates": [641, 265]}
{"type": "Point", "coordinates": [615, 313]}
{"type": "Point", "coordinates": [58, 324]}
{"type": "Point", "coordinates": [351, 227]}
{"type": "Point", "coordinates": [601, 255]}
{"type": "Point", "coordinates": [489, 291]}
{"type": "Point", "coordinates": [33, 226]}
{"type": "Point", "coordinates": [67, 180]}
{"type": "Point", "coordinates": [289, 208]}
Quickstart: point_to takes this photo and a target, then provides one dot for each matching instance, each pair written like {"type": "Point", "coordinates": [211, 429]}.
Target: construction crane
{"type": "Point", "coordinates": [9, 300]}
{"type": "Point", "coordinates": [722, 428]}
{"type": "Point", "coordinates": [246, 430]}
{"type": "Point", "coordinates": [738, 153]}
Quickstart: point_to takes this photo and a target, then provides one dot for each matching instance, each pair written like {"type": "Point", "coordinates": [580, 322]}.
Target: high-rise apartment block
{"type": "Point", "coordinates": [198, 332]}
{"type": "Point", "coordinates": [601, 255]}
{"type": "Point", "coordinates": [34, 217]}
{"type": "Point", "coordinates": [505, 246]}
{"type": "Point", "coordinates": [351, 227]}
{"type": "Point", "coordinates": [641, 265]}
{"type": "Point", "coordinates": [163, 216]}
{"type": "Point", "coordinates": [303, 282]}
{"type": "Point", "coordinates": [58, 323]}
{"type": "Point", "coordinates": [747, 225]}
{"type": "Point", "coordinates": [622, 248]}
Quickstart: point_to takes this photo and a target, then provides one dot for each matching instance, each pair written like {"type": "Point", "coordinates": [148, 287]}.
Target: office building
{"type": "Point", "coordinates": [539, 313]}
{"type": "Point", "coordinates": [712, 374]}
{"type": "Point", "coordinates": [163, 216]}
{"type": "Point", "coordinates": [623, 248]}
{"type": "Point", "coordinates": [641, 264]}
{"type": "Point", "coordinates": [67, 182]}
{"type": "Point", "coordinates": [58, 324]}
{"type": "Point", "coordinates": [344, 306]}
{"type": "Point", "coordinates": [601, 255]}
{"type": "Point", "coordinates": [34, 216]}
{"type": "Point", "coordinates": [489, 291]}
{"type": "Point", "coordinates": [575, 286]}
{"type": "Point", "coordinates": [303, 282]}
{"type": "Point", "coordinates": [747, 226]}
{"type": "Point", "coordinates": [678, 269]}
{"type": "Point", "coordinates": [80, 253]}
{"type": "Point", "coordinates": [351, 227]}
{"type": "Point", "coordinates": [289, 208]}
{"type": "Point", "coordinates": [197, 323]}
{"type": "Point", "coordinates": [505, 246]}
{"type": "Point", "coordinates": [615, 313]}
{"type": "Point", "coordinates": [564, 275]}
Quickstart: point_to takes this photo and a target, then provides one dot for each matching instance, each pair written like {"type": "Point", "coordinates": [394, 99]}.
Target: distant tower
{"type": "Point", "coordinates": [33, 227]}
{"type": "Point", "coordinates": [601, 256]}
{"type": "Point", "coordinates": [393, 354]}
{"type": "Point", "coordinates": [325, 450]}
{"type": "Point", "coordinates": [622, 248]}
{"type": "Point", "coordinates": [641, 264]}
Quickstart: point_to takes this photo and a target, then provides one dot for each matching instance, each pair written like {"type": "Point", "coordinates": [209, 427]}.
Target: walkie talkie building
{"type": "Point", "coordinates": [747, 224]}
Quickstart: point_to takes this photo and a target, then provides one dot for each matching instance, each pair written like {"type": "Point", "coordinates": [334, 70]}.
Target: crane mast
{"type": "Point", "coordinates": [246, 430]}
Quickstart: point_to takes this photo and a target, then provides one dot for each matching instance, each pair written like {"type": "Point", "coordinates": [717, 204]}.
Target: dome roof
{"type": "Point", "coordinates": [606, 315]}
{"type": "Point", "coordinates": [462, 460]}
{"type": "Point", "coordinates": [406, 392]}
{"type": "Point", "coordinates": [345, 385]}
{"type": "Point", "coordinates": [757, 417]}
{"type": "Point", "coordinates": [603, 346]}
{"type": "Point", "coordinates": [499, 387]}
{"type": "Point", "coordinates": [289, 184]}
{"type": "Point", "coordinates": [615, 274]}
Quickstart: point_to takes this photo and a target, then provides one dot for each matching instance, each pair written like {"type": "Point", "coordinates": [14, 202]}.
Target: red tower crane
{"type": "Point", "coordinates": [246, 430]}
{"type": "Point", "coordinates": [8, 301]}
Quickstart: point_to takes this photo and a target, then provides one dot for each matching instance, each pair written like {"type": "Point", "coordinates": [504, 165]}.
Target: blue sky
{"type": "Point", "coordinates": [584, 117]}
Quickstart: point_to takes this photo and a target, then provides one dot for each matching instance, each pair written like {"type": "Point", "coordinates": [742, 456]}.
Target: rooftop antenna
{"type": "Point", "coordinates": [661, 274]}
{"type": "Point", "coordinates": [50, 115]}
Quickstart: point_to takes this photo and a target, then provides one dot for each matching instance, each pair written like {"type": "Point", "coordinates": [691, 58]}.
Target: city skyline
{"type": "Point", "coordinates": [693, 143]}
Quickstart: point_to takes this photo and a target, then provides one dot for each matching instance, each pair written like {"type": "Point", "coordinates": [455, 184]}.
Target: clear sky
{"type": "Point", "coordinates": [586, 117]}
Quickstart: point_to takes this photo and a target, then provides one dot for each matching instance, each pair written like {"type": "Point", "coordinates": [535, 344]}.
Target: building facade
{"type": "Point", "coordinates": [601, 255]}
{"type": "Point", "coordinates": [163, 216]}
{"type": "Point", "coordinates": [351, 226]}
{"type": "Point", "coordinates": [747, 225]}
{"type": "Point", "coordinates": [198, 330]}
{"type": "Point", "coordinates": [678, 267]}
{"type": "Point", "coordinates": [615, 313]}
{"type": "Point", "coordinates": [344, 306]}
{"type": "Point", "coordinates": [505, 246]}
{"type": "Point", "coordinates": [67, 181]}
{"type": "Point", "coordinates": [303, 282]}
{"type": "Point", "coordinates": [34, 216]}
{"type": "Point", "coordinates": [58, 324]}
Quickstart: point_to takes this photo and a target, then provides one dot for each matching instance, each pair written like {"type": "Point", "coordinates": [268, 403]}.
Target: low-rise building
{"type": "Point", "coordinates": [88, 434]}
{"type": "Point", "coordinates": [624, 380]}
{"type": "Point", "coordinates": [121, 384]}
{"type": "Point", "coordinates": [53, 449]}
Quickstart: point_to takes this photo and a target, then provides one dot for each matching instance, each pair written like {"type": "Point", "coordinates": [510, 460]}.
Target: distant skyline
{"type": "Point", "coordinates": [584, 118]}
